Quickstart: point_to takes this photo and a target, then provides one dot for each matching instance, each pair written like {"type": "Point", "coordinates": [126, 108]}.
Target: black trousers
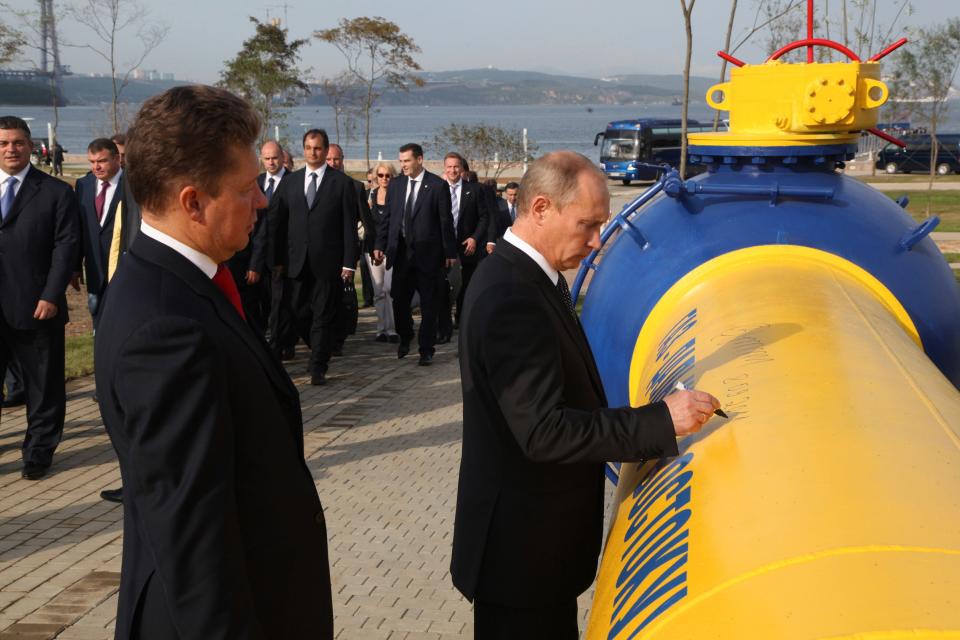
{"type": "Point", "coordinates": [40, 353]}
{"type": "Point", "coordinates": [499, 622]}
{"type": "Point", "coordinates": [409, 277]}
{"type": "Point", "coordinates": [13, 379]}
{"type": "Point", "coordinates": [283, 334]}
{"type": "Point", "coordinates": [316, 307]}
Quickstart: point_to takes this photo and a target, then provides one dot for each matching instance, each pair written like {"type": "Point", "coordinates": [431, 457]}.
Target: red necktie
{"type": "Point", "coordinates": [224, 281]}
{"type": "Point", "coordinates": [101, 200]}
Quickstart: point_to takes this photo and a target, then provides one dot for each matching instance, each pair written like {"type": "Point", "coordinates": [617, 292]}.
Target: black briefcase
{"type": "Point", "coordinates": [349, 310]}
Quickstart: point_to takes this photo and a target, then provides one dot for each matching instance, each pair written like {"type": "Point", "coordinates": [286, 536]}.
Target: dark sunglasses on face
{"type": "Point", "coordinates": [383, 175]}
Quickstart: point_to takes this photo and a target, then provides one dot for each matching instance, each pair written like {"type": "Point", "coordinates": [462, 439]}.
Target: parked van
{"type": "Point", "coordinates": [916, 156]}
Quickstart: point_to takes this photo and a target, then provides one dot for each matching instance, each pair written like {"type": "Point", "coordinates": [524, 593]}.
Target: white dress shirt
{"type": "Point", "coordinates": [21, 176]}
{"type": "Point", "coordinates": [535, 255]}
{"type": "Point", "coordinates": [322, 169]}
{"type": "Point", "coordinates": [202, 261]}
{"type": "Point", "coordinates": [458, 185]}
{"type": "Point", "coordinates": [276, 179]}
{"type": "Point", "coordinates": [415, 185]}
{"type": "Point", "coordinates": [111, 191]}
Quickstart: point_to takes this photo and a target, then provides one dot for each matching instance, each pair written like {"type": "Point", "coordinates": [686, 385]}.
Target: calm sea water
{"type": "Point", "coordinates": [550, 126]}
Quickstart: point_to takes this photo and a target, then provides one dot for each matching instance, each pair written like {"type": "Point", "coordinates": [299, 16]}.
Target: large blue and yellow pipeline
{"type": "Point", "coordinates": [828, 324]}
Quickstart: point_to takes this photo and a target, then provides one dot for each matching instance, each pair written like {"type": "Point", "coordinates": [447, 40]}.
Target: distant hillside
{"type": "Point", "coordinates": [498, 86]}
{"type": "Point", "coordinates": [463, 87]}
{"type": "Point", "coordinates": [81, 90]}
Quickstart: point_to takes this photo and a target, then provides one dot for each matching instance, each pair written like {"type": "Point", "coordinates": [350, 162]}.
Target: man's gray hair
{"type": "Point", "coordinates": [555, 175]}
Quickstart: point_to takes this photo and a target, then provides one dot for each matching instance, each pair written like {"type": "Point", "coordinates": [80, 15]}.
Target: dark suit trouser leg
{"type": "Point", "coordinates": [40, 353]}
{"type": "Point", "coordinates": [299, 295]}
{"type": "Point", "coordinates": [403, 285]}
{"type": "Point", "coordinates": [466, 272]}
{"type": "Point", "coordinates": [13, 379]}
{"type": "Point", "coordinates": [325, 324]}
{"type": "Point", "coordinates": [498, 622]}
{"type": "Point", "coordinates": [282, 330]}
{"type": "Point", "coordinates": [152, 620]}
{"type": "Point", "coordinates": [428, 287]}
{"type": "Point", "coordinates": [445, 304]}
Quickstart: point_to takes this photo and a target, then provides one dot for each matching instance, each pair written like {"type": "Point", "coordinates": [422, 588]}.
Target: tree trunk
{"type": "Point", "coordinates": [688, 27]}
{"type": "Point", "coordinates": [934, 147]}
{"type": "Point", "coordinates": [723, 63]}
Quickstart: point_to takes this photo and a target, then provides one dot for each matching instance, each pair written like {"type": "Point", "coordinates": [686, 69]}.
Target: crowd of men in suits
{"type": "Point", "coordinates": [194, 258]}
{"type": "Point", "coordinates": [294, 276]}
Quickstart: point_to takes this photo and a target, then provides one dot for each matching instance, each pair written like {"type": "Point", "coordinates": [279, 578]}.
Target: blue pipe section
{"type": "Point", "coordinates": [653, 242]}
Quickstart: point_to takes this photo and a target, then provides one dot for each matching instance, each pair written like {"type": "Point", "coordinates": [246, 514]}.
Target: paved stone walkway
{"type": "Point", "coordinates": [383, 444]}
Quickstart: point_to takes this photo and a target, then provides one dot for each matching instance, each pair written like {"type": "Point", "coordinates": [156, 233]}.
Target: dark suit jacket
{"type": "Point", "coordinates": [96, 238]}
{"type": "Point", "coordinates": [366, 218]}
{"type": "Point", "coordinates": [323, 238]}
{"type": "Point", "coordinates": [39, 249]}
{"type": "Point", "coordinates": [433, 236]}
{"type": "Point", "coordinates": [536, 431]}
{"type": "Point", "coordinates": [472, 222]}
{"type": "Point", "coordinates": [500, 221]}
{"type": "Point", "coordinates": [219, 506]}
{"type": "Point", "coordinates": [253, 257]}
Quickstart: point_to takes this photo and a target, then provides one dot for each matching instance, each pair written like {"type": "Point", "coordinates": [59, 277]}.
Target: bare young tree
{"type": "Point", "coordinates": [491, 147]}
{"type": "Point", "coordinates": [106, 20]}
{"type": "Point", "coordinates": [688, 28]}
{"type": "Point", "coordinates": [343, 96]}
{"type": "Point", "coordinates": [379, 56]}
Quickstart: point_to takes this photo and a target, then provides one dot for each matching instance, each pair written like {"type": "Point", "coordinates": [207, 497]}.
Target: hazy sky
{"type": "Point", "coordinates": [576, 37]}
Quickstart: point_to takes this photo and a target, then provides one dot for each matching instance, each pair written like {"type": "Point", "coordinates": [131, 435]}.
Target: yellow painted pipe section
{"type": "Point", "coordinates": [828, 505]}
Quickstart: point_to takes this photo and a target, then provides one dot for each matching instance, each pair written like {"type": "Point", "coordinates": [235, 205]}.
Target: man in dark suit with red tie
{"type": "Point", "coordinates": [536, 426]}
{"type": "Point", "coordinates": [313, 216]}
{"type": "Point", "coordinates": [417, 240]}
{"type": "Point", "coordinates": [39, 248]}
{"type": "Point", "coordinates": [224, 535]}
{"type": "Point", "coordinates": [100, 193]}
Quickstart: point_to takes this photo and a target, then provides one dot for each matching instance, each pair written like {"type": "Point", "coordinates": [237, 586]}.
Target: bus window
{"type": "Point", "coordinates": [619, 149]}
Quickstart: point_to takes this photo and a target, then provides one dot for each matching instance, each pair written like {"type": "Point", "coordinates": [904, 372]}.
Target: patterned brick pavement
{"type": "Point", "coordinates": [383, 444]}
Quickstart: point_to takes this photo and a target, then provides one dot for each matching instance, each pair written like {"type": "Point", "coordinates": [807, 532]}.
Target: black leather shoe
{"type": "Point", "coordinates": [112, 495]}
{"type": "Point", "coordinates": [15, 399]}
{"type": "Point", "coordinates": [288, 353]}
{"type": "Point", "coordinates": [394, 339]}
{"type": "Point", "coordinates": [34, 471]}
{"type": "Point", "coordinates": [403, 349]}
{"type": "Point", "coordinates": [425, 360]}
{"type": "Point", "coordinates": [382, 337]}
{"type": "Point", "coordinates": [318, 379]}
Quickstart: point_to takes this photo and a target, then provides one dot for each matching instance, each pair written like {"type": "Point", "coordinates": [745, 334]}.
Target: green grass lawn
{"type": "Point", "coordinates": [908, 177]}
{"type": "Point", "coordinates": [945, 204]}
{"type": "Point", "coordinates": [79, 361]}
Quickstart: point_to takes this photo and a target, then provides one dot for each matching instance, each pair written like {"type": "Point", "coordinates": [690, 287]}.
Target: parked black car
{"type": "Point", "coordinates": [916, 156]}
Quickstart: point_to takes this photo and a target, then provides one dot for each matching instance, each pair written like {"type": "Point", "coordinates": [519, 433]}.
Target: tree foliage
{"type": "Point", "coordinates": [491, 147]}
{"type": "Point", "coordinates": [106, 20]}
{"type": "Point", "coordinates": [265, 72]}
{"type": "Point", "coordinates": [379, 56]}
{"type": "Point", "coordinates": [11, 41]}
{"type": "Point", "coordinates": [923, 74]}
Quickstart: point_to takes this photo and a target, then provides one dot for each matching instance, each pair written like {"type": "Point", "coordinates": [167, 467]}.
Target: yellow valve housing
{"type": "Point", "coordinates": [784, 104]}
